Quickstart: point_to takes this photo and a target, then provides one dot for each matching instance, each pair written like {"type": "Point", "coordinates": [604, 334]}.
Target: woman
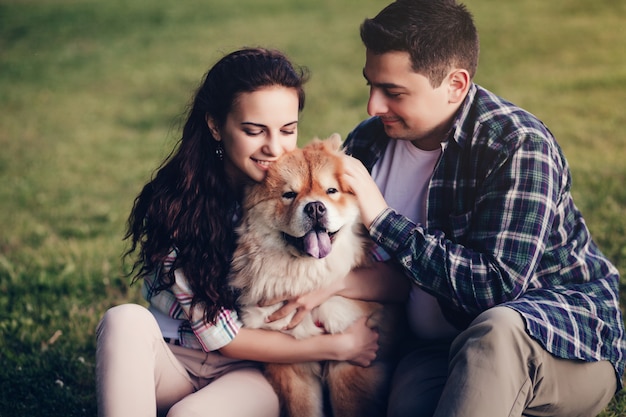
{"type": "Point", "coordinates": [187, 354]}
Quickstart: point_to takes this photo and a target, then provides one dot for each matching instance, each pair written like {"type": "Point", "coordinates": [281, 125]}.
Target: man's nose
{"type": "Point", "coordinates": [376, 104]}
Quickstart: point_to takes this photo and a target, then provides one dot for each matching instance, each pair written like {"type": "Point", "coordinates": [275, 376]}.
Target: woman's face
{"type": "Point", "coordinates": [261, 127]}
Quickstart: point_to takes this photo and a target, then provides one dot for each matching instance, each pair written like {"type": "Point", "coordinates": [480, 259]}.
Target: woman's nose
{"type": "Point", "coordinates": [273, 146]}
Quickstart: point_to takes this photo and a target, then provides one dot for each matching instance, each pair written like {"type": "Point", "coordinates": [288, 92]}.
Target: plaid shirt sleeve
{"type": "Point", "coordinates": [196, 332]}
{"type": "Point", "coordinates": [488, 255]}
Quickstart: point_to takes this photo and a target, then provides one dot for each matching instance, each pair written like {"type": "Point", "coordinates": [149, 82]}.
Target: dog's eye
{"type": "Point", "coordinates": [332, 191]}
{"type": "Point", "coordinates": [290, 195]}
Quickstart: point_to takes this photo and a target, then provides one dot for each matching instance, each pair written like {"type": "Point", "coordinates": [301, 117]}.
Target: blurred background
{"type": "Point", "coordinates": [93, 94]}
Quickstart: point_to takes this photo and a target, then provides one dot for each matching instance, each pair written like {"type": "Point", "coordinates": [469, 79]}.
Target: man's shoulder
{"type": "Point", "coordinates": [499, 113]}
{"type": "Point", "coordinates": [365, 133]}
{"type": "Point", "coordinates": [367, 128]}
{"type": "Point", "coordinates": [496, 122]}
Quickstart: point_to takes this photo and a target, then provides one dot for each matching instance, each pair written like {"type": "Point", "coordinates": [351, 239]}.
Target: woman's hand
{"type": "Point", "coordinates": [361, 343]}
{"type": "Point", "coordinates": [302, 305]}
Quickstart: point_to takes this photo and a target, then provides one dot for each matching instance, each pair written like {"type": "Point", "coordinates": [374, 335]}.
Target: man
{"type": "Point", "coordinates": [513, 309]}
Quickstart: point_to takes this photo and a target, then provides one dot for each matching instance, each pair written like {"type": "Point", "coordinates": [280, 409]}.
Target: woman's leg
{"type": "Point", "coordinates": [135, 369]}
{"type": "Point", "coordinates": [242, 392]}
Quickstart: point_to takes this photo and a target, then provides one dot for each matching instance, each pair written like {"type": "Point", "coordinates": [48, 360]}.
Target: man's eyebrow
{"type": "Point", "coordinates": [381, 85]}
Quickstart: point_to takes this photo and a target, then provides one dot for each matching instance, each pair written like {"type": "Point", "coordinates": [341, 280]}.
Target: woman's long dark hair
{"type": "Point", "coordinates": [188, 206]}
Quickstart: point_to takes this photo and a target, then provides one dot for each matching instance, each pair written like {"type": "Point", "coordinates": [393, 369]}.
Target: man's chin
{"type": "Point", "coordinates": [396, 132]}
{"type": "Point", "coordinates": [392, 130]}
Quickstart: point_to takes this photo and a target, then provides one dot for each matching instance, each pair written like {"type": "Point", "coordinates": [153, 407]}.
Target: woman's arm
{"type": "Point", "coordinates": [358, 345]}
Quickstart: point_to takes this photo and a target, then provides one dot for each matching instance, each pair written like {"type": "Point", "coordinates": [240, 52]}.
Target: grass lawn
{"type": "Point", "coordinates": [91, 99]}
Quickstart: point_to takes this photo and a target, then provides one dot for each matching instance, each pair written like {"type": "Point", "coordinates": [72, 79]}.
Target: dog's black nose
{"type": "Point", "coordinates": [315, 210]}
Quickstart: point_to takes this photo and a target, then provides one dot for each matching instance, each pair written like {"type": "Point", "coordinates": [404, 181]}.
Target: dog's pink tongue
{"type": "Point", "coordinates": [317, 244]}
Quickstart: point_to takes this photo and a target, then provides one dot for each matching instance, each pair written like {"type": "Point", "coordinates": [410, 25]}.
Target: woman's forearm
{"type": "Point", "coordinates": [273, 346]}
{"type": "Point", "coordinates": [358, 344]}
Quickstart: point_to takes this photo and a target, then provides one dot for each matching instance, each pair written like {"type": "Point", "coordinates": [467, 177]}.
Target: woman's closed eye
{"type": "Point", "coordinates": [253, 132]}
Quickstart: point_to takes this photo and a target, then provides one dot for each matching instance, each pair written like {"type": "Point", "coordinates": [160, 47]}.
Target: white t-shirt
{"type": "Point", "coordinates": [403, 175]}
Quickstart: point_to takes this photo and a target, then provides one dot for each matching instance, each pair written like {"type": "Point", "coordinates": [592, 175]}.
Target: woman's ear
{"type": "Point", "coordinates": [459, 83]}
{"type": "Point", "coordinates": [213, 127]}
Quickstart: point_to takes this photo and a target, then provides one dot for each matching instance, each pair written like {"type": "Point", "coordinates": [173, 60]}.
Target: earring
{"type": "Point", "coordinates": [219, 151]}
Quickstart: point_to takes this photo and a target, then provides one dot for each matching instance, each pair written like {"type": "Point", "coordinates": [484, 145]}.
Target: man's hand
{"type": "Point", "coordinates": [369, 197]}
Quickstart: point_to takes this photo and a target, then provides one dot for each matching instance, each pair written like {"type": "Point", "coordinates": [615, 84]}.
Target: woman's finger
{"type": "Point", "coordinates": [281, 313]}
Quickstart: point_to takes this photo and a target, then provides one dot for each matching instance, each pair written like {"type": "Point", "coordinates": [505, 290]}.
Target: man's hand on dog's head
{"type": "Point", "coordinates": [370, 200]}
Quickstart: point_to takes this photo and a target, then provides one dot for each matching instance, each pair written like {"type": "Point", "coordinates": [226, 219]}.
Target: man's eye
{"type": "Point", "coordinates": [332, 191]}
{"type": "Point", "coordinates": [289, 195]}
{"type": "Point", "coordinates": [392, 94]}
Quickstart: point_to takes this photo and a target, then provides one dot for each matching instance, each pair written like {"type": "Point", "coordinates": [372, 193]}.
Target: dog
{"type": "Point", "coordinates": [300, 230]}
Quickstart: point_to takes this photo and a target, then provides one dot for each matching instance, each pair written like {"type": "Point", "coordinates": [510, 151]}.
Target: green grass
{"type": "Point", "coordinates": [91, 98]}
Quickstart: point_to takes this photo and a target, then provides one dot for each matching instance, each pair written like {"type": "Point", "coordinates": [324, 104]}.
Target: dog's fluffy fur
{"type": "Point", "coordinates": [300, 231]}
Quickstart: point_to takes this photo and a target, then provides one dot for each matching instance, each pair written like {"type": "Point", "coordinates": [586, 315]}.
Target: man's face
{"type": "Point", "coordinates": [409, 107]}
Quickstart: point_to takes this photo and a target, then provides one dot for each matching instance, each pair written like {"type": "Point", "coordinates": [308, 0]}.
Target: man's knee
{"type": "Point", "coordinates": [499, 329]}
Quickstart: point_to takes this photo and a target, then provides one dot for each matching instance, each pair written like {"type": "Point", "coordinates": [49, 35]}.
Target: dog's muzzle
{"type": "Point", "coordinates": [317, 242]}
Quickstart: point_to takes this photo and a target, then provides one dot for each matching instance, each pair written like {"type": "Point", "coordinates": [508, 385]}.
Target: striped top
{"type": "Point", "coordinates": [194, 331]}
{"type": "Point", "coordinates": [502, 229]}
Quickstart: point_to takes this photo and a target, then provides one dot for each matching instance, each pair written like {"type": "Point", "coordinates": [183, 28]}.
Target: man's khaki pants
{"type": "Point", "coordinates": [495, 369]}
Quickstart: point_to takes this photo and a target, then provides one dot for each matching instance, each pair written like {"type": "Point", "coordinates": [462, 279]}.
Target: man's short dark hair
{"type": "Point", "coordinates": [439, 35]}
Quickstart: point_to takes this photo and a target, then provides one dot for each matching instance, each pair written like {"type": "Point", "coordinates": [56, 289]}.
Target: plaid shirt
{"type": "Point", "coordinates": [502, 229]}
{"type": "Point", "coordinates": [194, 331]}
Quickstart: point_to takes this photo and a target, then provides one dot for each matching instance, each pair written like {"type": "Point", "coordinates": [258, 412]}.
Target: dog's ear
{"type": "Point", "coordinates": [334, 142]}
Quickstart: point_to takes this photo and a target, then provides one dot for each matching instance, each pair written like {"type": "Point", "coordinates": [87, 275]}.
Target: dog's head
{"type": "Point", "coordinates": [303, 199]}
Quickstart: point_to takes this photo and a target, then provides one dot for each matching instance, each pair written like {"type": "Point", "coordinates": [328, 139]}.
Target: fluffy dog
{"type": "Point", "coordinates": [300, 231]}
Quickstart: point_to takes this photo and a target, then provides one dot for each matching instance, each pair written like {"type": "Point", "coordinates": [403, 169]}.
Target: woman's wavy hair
{"type": "Point", "coordinates": [188, 206]}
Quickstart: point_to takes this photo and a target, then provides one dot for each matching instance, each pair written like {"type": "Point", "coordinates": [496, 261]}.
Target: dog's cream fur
{"type": "Point", "coordinates": [301, 207]}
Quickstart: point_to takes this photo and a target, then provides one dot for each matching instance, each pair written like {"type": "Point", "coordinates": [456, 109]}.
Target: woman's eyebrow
{"type": "Point", "coordinates": [253, 124]}
{"type": "Point", "coordinates": [260, 125]}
